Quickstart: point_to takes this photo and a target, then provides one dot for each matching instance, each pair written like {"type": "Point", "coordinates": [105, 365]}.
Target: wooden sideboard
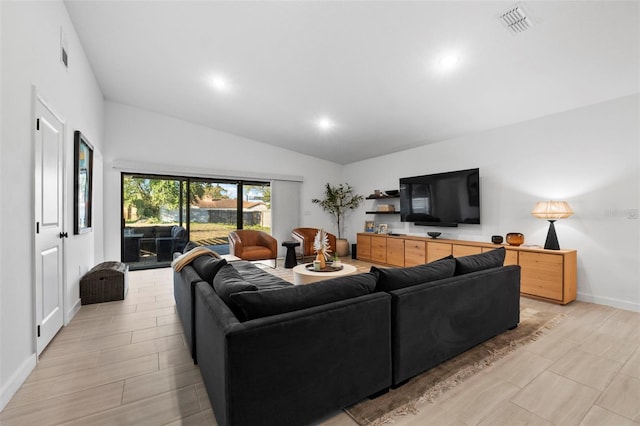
{"type": "Point", "coordinates": [546, 274]}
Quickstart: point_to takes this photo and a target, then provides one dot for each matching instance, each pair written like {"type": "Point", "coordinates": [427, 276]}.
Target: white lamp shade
{"type": "Point", "coordinates": [552, 210]}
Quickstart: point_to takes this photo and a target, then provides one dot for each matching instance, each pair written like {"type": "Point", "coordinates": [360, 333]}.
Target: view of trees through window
{"type": "Point", "coordinates": [207, 209]}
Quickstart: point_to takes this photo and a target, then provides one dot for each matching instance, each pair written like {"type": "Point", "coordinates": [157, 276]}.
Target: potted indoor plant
{"type": "Point", "coordinates": [337, 201]}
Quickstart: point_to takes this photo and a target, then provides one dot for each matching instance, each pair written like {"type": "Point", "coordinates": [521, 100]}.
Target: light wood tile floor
{"type": "Point", "coordinates": [126, 363]}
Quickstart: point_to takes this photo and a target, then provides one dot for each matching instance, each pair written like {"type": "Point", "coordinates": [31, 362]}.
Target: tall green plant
{"type": "Point", "coordinates": [337, 201]}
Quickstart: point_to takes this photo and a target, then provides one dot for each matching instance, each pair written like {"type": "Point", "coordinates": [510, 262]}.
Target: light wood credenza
{"type": "Point", "coordinates": [545, 274]}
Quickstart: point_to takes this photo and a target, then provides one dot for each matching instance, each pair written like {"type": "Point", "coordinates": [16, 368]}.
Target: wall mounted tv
{"type": "Point", "coordinates": [442, 199]}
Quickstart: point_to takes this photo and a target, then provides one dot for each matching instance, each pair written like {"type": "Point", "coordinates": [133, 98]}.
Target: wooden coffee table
{"type": "Point", "coordinates": [301, 275]}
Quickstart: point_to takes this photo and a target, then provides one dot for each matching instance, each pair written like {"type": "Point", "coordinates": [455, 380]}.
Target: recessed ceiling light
{"type": "Point", "coordinates": [220, 83]}
{"type": "Point", "coordinates": [325, 124]}
{"type": "Point", "coordinates": [449, 61]}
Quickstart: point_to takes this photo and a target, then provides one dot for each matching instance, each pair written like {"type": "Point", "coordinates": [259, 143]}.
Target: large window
{"type": "Point", "coordinates": [152, 206]}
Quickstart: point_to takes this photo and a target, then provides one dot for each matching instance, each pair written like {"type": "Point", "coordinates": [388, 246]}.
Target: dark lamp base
{"type": "Point", "coordinates": [552, 238]}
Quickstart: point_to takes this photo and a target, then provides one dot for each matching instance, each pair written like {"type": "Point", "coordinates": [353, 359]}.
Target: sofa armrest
{"type": "Point", "coordinates": [305, 236]}
{"type": "Point", "coordinates": [235, 244]}
{"type": "Point", "coordinates": [300, 250]}
{"type": "Point", "coordinates": [292, 368]}
{"type": "Point", "coordinates": [184, 283]}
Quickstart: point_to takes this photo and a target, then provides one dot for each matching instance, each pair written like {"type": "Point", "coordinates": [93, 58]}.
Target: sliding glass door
{"type": "Point", "coordinates": [151, 206]}
{"type": "Point", "coordinates": [213, 213]}
{"type": "Point", "coordinates": [256, 206]}
{"type": "Point", "coordinates": [207, 210]}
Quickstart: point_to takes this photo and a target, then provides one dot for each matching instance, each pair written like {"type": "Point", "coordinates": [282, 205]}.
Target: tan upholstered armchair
{"type": "Point", "coordinates": [253, 245]}
{"type": "Point", "coordinates": [305, 237]}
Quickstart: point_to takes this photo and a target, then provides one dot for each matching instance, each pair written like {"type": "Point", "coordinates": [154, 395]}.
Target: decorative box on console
{"type": "Point", "coordinates": [105, 282]}
{"type": "Point", "coordinates": [386, 208]}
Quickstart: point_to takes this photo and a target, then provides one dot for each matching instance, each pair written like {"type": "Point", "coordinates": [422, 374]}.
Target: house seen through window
{"type": "Point", "coordinates": [160, 214]}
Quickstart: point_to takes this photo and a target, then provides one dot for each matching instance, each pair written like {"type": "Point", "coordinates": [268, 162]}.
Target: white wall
{"type": "Point", "coordinates": [30, 55]}
{"type": "Point", "coordinates": [3, 397]}
{"type": "Point", "coordinates": [160, 143]}
{"type": "Point", "coordinates": [589, 157]}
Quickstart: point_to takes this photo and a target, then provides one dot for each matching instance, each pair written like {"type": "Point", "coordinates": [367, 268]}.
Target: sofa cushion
{"type": "Point", "coordinates": [181, 237]}
{"type": "Point", "coordinates": [480, 262]}
{"type": "Point", "coordinates": [278, 301]}
{"type": "Point", "coordinates": [390, 279]}
{"type": "Point", "coordinates": [162, 231]}
{"type": "Point", "coordinates": [228, 282]}
{"type": "Point", "coordinates": [146, 231]}
{"type": "Point", "coordinates": [257, 276]}
{"type": "Point", "coordinates": [207, 267]}
{"type": "Point", "coordinates": [179, 232]}
{"type": "Point", "coordinates": [189, 246]}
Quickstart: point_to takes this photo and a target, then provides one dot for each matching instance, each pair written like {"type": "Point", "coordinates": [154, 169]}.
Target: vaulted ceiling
{"type": "Point", "coordinates": [350, 80]}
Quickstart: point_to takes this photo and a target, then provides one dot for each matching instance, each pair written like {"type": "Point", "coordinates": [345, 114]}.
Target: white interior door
{"type": "Point", "coordinates": [49, 174]}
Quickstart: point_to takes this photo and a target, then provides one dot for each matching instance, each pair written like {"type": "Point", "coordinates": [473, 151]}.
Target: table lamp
{"type": "Point", "coordinates": [552, 210]}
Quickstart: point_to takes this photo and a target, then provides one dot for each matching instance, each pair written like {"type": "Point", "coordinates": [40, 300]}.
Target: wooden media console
{"type": "Point", "coordinates": [546, 274]}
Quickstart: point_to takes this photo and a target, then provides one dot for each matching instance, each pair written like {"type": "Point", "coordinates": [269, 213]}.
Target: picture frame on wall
{"type": "Point", "coordinates": [83, 184]}
{"type": "Point", "coordinates": [369, 226]}
{"type": "Point", "coordinates": [383, 228]}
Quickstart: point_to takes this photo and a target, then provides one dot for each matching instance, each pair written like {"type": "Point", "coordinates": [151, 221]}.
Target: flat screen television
{"type": "Point", "coordinates": [441, 199]}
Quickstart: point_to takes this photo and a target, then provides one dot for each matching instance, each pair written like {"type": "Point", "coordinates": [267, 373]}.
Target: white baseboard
{"type": "Point", "coordinates": [16, 380]}
{"type": "Point", "coordinates": [616, 303]}
{"type": "Point", "coordinates": [73, 311]}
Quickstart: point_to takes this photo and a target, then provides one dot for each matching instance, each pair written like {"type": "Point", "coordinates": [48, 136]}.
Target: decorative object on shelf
{"type": "Point", "coordinates": [369, 226]}
{"type": "Point", "coordinates": [321, 247]}
{"type": "Point", "coordinates": [496, 239]}
{"type": "Point", "coordinates": [434, 234]}
{"type": "Point", "coordinates": [386, 208]}
{"type": "Point", "coordinates": [337, 201]}
{"type": "Point", "coordinates": [377, 194]}
{"type": "Point", "coordinates": [552, 210]}
{"type": "Point", "coordinates": [515, 238]}
{"type": "Point", "coordinates": [383, 228]}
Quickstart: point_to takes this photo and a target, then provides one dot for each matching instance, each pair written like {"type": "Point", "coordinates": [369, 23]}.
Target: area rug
{"type": "Point", "coordinates": [433, 383]}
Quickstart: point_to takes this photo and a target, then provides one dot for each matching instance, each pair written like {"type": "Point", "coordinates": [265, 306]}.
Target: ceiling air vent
{"type": "Point", "coordinates": [516, 20]}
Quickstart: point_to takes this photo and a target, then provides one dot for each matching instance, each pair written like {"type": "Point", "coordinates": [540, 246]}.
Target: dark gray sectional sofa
{"type": "Point", "coordinates": [275, 354]}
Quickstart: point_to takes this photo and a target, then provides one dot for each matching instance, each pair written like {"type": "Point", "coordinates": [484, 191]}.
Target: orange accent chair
{"type": "Point", "coordinates": [253, 245]}
{"type": "Point", "coordinates": [305, 237]}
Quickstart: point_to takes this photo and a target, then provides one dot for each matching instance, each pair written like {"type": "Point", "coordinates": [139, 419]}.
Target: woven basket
{"type": "Point", "coordinates": [105, 282]}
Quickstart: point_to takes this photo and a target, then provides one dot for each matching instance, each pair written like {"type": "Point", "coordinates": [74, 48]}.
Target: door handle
{"type": "Point", "coordinates": [64, 235]}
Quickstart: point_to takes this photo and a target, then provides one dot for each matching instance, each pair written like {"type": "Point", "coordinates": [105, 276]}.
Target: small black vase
{"type": "Point", "coordinates": [496, 239]}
